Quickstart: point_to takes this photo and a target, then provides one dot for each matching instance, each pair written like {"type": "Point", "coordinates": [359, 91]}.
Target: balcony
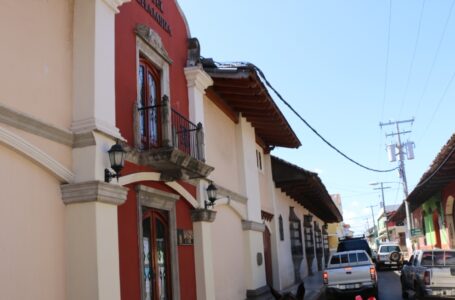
{"type": "Point", "coordinates": [168, 142]}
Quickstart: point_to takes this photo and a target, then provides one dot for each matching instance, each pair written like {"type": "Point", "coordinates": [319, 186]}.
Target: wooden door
{"type": "Point", "coordinates": [437, 230]}
{"type": "Point", "coordinates": [156, 258]}
{"type": "Point", "coordinates": [268, 257]}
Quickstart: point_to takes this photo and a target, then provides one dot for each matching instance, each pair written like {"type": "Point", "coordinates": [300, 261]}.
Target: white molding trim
{"type": "Point", "coordinates": [37, 155]}
{"type": "Point", "coordinates": [182, 191]}
{"type": "Point", "coordinates": [197, 77]}
{"type": "Point", "coordinates": [93, 124]}
{"type": "Point", "coordinates": [114, 4]}
{"type": "Point", "coordinates": [154, 176]}
{"type": "Point", "coordinates": [31, 124]}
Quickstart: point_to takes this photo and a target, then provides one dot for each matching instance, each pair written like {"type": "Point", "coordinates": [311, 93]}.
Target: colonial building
{"type": "Point", "coordinates": [58, 218]}
{"type": "Point", "coordinates": [270, 228]}
{"type": "Point", "coordinates": [109, 75]}
{"type": "Point", "coordinates": [432, 203]}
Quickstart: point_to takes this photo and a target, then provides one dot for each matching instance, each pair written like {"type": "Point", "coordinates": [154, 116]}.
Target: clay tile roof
{"type": "Point", "coordinates": [440, 173]}
{"type": "Point", "coordinates": [237, 89]}
{"type": "Point", "coordinates": [306, 188]}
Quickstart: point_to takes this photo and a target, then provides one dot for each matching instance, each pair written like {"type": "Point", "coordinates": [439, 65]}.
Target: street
{"type": "Point", "coordinates": [389, 285]}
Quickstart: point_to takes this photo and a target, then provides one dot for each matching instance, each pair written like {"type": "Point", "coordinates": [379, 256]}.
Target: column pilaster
{"type": "Point", "coordinates": [92, 271]}
{"type": "Point", "coordinates": [203, 252]}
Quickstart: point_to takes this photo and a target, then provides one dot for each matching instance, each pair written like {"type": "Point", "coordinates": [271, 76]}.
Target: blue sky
{"type": "Point", "coordinates": [345, 66]}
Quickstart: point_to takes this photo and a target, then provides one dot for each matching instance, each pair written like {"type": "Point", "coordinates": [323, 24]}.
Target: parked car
{"type": "Point", "coordinates": [350, 273]}
{"type": "Point", "coordinates": [430, 273]}
{"type": "Point", "coordinates": [389, 256]}
{"type": "Point", "coordinates": [354, 243]}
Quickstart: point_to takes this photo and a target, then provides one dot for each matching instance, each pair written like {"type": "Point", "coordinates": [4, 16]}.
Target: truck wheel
{"type": "Point", "coordinates": [395, 256]}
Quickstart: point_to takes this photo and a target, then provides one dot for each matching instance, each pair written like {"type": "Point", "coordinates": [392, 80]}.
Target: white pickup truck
{"type": "Point", "coordinates": [350, 273]}
{"type": "Point", "coordinates": [430, 273]}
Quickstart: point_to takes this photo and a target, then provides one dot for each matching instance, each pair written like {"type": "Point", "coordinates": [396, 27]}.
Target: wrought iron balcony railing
{"type": "Point", "coordinates": [160, 126]}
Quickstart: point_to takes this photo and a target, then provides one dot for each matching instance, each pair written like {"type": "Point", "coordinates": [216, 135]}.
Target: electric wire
{"type": "Point", "coordinates": [433, 63]}
{"type": "Point", "coordinates": [386, 77]}
{"type": "Point", "coordinates": [441, 99]}
{"type": "Point", "coordinates": [411, 67]}
{"type": "Point", "coordinates": [261, 74]}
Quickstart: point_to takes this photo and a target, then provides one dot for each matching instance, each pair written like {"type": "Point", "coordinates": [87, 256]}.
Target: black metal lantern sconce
{"type": "Point", "coordinates": [211, 195]}
{"type": "Point", "coordinates": [117, 159]}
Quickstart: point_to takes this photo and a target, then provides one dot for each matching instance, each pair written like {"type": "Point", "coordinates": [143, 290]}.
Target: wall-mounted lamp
{"type": "Point", "coordinates": [117, 159]}
{"type": "Point", "coordinates": [211, 194]}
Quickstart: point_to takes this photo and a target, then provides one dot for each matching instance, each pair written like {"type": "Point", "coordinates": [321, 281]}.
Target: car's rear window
{"type": "Point", "coordinates": [438, 259]}
{"type": "Point", "coordinates": [389, 249]}
{"type": "Point", "coordinates": [357, 257]}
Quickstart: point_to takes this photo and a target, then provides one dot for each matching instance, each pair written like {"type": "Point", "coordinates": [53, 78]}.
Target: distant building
{"type": "Point", "coordinates": [396, 230]}
{"type": "Point", "coordinates": [335, 230]}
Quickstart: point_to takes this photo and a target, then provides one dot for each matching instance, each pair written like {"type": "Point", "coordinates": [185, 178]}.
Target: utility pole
{"type": "Point", "coordinates": [375, 229]}
{"type": "Point", "coordinates": [382, 188]}
{"type": "Point", "coordinates": [392, 157]}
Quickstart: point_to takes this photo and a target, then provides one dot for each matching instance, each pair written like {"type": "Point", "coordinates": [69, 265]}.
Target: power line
{"type": "Point", "coordinates": [446, 89]}
{"type": "Point", "coordinates": [261, 74]}
{"type": "Point", "coordinates": [411, 67]}
{"type": "Point", "coordinates": [425, 87]}
{"type": "Point", "coordinates": [387, 60]}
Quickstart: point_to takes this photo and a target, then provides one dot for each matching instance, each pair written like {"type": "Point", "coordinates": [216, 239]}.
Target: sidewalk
{"type": "Point", "coordinates": [313, 287]}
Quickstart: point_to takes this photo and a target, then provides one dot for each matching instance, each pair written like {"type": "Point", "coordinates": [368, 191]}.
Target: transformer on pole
{"type": "Point", "coordinates": [400, 150]}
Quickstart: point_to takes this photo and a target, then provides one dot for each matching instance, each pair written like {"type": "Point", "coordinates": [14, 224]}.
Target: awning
{"type": "Point", "coordinates": [440, 173]}
{"type": "Point", "coordinates": [306, 188]}
{"type": "Point", "coordinates": [237, 89]}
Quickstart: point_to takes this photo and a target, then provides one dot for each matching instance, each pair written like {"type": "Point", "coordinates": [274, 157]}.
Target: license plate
{"type": "Point", "coordinates": [387, 262]}
{"type": "Point", "coordinates": [350, 286]}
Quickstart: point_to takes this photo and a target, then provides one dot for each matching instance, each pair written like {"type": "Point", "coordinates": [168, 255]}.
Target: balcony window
{"type": "Point", "coordinates": [148, 104]}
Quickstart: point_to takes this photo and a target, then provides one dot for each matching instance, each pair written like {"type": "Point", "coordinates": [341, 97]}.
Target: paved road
{"type": "Point", "coordinates": [389, 286]}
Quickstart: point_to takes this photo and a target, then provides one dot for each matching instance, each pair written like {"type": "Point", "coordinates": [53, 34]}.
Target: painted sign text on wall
{"type": "Point", "coordinates": [155, 9]}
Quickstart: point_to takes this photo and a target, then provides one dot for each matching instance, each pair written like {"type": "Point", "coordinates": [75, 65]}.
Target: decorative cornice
{"type": "Point", "coordinates": [33, 125]}
{"type": "Point", "coordinates": [35, 154]}
{"type": "Point", "coordinates": [114, 4]}
{"type": "Point", "coordinates": [153, 40]}
{"type": "Point", "coordinates": [197, 77]}
{"type": "Point", "coordinates": [152, 197]}
{"type": "Point", "coordinates": [252, 225]}
{"type": "Point", "coordinates": [93, 124]}
{"type": "Point", "coordinates": [203, 215]}
{"type": "Point", "coordinates": [82, 140]}
{"type": "Point", "coordinates": [93, 191]}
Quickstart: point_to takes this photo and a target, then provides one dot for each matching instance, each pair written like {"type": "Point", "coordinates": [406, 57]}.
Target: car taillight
{"type": "Point", "coordinates": [325, 277]}
{"type": "Point", "coordinates": [373, 273]}
{"type": "Point", "coordinates": [426, 278]}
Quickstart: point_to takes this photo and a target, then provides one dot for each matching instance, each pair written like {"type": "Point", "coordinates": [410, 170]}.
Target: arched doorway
{"type": "Point", "coordinates": [437, 229]}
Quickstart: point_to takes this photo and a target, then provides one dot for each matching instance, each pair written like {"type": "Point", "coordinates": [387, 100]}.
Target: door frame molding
{"type": "Point", "coordinates": [154, 198]}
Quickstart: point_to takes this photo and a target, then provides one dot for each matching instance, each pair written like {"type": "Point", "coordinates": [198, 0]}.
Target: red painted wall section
{"type": "Point", "coordinates": [176, 44]}
{"type": "Point", "coordinates": [449, 190]}
{"type": "Point", "coordinates": [128, 247]}
{"type": "Point", "coordinates": [187, 270]}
